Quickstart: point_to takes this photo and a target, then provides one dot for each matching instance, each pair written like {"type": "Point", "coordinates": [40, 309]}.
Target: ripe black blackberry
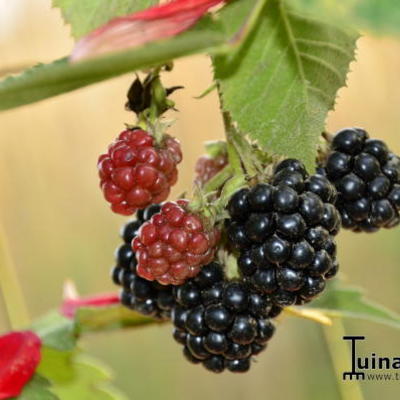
{"type": "Point", "coordinates": [141, 295]}
{"type": "Point", "coordinates": [284, 233]}
{"type": "Point", "coordinates": [367, 177]}
{"type": "Point", "coordinates": [221, 323]}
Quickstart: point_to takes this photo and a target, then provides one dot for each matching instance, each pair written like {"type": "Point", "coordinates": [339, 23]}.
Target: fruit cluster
{"type": "Point", "coordinates": [284, 233]}
{"type": "Point", "coordinates": [279, 231]}
{"type": "Point", "coordinates": [174, 245]}
{"type": "Point", "coordinates": [148, 298]}
{"type": "Point", "coordinates": [221, 323]}
{"type": "Point", "coordinates": [137, 172]}
{"type": "Point", "coordinates": [367, 177]}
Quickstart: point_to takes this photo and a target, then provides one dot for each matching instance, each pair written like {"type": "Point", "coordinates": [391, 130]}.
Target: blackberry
{"type": "Point", "coordinates": [367, 177]}
{"type": "Point", "coordinates": [136, 171]}
{"type": "Point", "coordinates": [174, 244]}
{"type": "Point", "coordinates": [220, 323]}
{"type": "Point", "coordinates": [284, 234]}
{"type": "Point", "coordinates": [141, 295]}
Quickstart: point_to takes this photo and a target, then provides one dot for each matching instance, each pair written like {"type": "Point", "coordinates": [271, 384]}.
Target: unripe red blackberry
{"type": "Point", "coordinates": [367, 177]}
{"type": "Point", "coordinates": [136, 172]}
{"type": "Point", "coordinates": [284, 234]}
{"type": "Point", "coordinates": [207, 167]}
{"type": "Point", "coordinates": [225, 330]}
{"type": "Point", "coordinates": [148, 298]}
{"type": "Point", "coordinates": [174, 245]}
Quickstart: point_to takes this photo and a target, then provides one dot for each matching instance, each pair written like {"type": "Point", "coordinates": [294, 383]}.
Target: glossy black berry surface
{"type": "Point", "coordinates": [367, 176]}
{"type": "Point", "coordinates": [221, 323]}
{"type": "Point", "coordinates": [287, 236]}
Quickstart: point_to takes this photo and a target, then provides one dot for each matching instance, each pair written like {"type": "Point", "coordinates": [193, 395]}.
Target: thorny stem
{"type": "Point", "coordinates": [341, 360]}
{"type": "Point", "coordinates": [10, 288]}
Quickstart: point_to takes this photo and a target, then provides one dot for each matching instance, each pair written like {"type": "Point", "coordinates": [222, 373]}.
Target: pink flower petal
{"type": "Point", "coordinates": [159, 22]}
{"type": "Point", "coordinates": [19, 358]}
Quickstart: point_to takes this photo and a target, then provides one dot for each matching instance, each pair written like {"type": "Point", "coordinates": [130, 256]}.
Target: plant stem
{"type": "Point", "coordinates": [341, 360]}
{"type": "Point", "coordinates": [218, 180]}
{"type": "Point", "coordinates": [10, 288]}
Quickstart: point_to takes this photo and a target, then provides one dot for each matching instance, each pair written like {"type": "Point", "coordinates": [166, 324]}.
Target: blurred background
{"type": "Point", "coordinates": [58, 225]}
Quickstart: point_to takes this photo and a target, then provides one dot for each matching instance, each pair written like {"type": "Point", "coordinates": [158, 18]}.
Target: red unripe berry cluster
{"type": "Point", "coordinates": [207, 167]}
{"type": "Point", "coordinates": [174, 245]}
{"type": "Point", "coordinates": [135, 172]}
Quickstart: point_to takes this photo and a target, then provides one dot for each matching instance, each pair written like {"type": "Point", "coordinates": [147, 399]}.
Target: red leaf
{"type": "Point", "coordinates": [145, 26]}
{"type": "Point", "coordinates": [19, 357]}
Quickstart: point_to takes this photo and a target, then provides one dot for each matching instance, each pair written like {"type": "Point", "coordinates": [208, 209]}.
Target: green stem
{"type": "Point", "coordinates": [218, 180]}
{"type": "Point", "coordinates": [10, 288]}
{"type": "Point", "coordinates": [341, 360]}
{"type": "Point", "coordinates": [239, 150]}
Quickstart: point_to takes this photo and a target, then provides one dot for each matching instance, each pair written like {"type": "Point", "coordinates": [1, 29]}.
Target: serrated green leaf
{"type": "Point", "coordinates": [37, 389]}
{"type": "Point", "coordinates": [281, 83]}
{"type": "Point", "coordinates": [87, 15]}
{"type": "Point", "coordinates": [47, 80]}
{"type": "Point", "coordinates": [56, 331]}
{"type": "Point", "coordinates": [350, 302]}
{"type": "Point", "coordinates": [380, 16]}
{"type": "Point", "coordinates": [108, 318]}
{"type": "Point", "coordinates": [90, 383]}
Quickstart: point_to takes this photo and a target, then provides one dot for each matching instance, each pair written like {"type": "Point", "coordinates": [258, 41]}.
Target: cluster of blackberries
{"type": "Point", "coordinates": [284, 234]}
{"type": "Point", "coordinates": [148, 298]}
{"type": "Point", "coordinates": [221, 323]}
{"type": "Point", "coordinates": [367, 177]}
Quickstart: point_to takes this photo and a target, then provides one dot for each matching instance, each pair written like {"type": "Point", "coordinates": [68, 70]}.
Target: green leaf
{"type": "Point", "coordinates": [74, 376]}
{"type": "Point", "coordinates": [380, 16]}
{"type": "Point", "coordinates": [57, 365]}
{"type": "Point", "coordinates": [349, 302]}
{"type": "Point", "coordinates": [87, 15]}
{"type": "Point", "coordinates": [281, 83]}
{"type": "Point", "coordinates": [56, 331]}
{"type": "Point", "coordinates": [91, 319]}
{"type": "Point", "coordinates": [90, 383]}
{"type": "Point", "coordinates": [37, 389]}
{"type": "Point", "coordinates": [47, 80]}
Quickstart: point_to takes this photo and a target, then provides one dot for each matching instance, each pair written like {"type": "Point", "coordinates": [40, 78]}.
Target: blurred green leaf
{"type": "Point", "coordinates": [56, 331]}
{"type": "Point", "coordinates": [87, 15]}
{"type": "Point", "coordinates": [47, 80]}
{"type": "Point", "coordinates": [91, 319]}
{"type": "Point", "coordinates": [380, 16]}
{"type": "Point", "coordinates": [90, 382]}
{"type": "Point", "coordinates": [281, 83]}
{"type": "Point", "coordinates": [350, 302]}
{"type": "Point", "coordinates": [74, 376]}
{"type": "Point", "coordinates": [37, 389]}
{"type": "Point", "coordinates": [57, 365]}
